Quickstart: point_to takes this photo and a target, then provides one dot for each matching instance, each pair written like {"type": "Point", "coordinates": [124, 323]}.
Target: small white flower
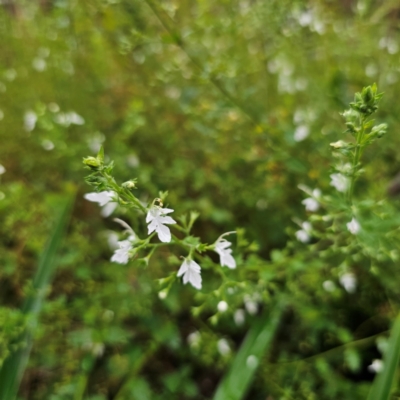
{"type": "Point", "coordinates": [121, 255]}
{"type": "Point", "coordinates": [75, 118]}
{"type": "Point", "coordinates": [105, 201]}
{"type": "Point", "coordinates": [239, 317]}
{"type": "Point", "coordinates": [222, 306]}
{"type": "Point", "coordinates": [250, 304]}
{"type": "Point", "coordinates": [2, 170]}
{"type": "Point", "coordinates": [376, 366]}
{"type": "Point", "coordinates": [194, 339]}
{"type": "Point", "coordinates": [353, 226]}
{"type": "Point", "coordinates": [301, 132]}
{"type": "Point", "coordinates": [191, 273]}
{"type": "Point", "coordinates": [304, 235]}
{"type": "Point", "coordinates": [311, 204]}
{"type": "Point", "coordinates": [156, 218]}
{"type": "Point", "coordinates": [223, 347]}
{"type": "Point", "coordinates": [329, 286]}
{"type": "Point", "coordinates": [30, 119]}
{"type": "Point", "coordinates": [225, 254]}
{"type": "Point", "coordinates": [349, 282]}
{"type": "Point", "coordinates": [339, 182]}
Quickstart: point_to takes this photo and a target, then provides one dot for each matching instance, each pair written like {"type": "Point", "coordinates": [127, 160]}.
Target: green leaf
{"type": "Point", "coordinates": [236, 382]}
{"type": "Point", "coordinates": [382, 384]}
{"type": "Point", "coordinates": [13, 368]}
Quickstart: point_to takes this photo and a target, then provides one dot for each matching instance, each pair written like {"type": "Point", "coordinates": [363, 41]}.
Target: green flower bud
{"type": "Point", "coordinates": [131, 184]}
{"type": "Point", "coordinates": [92, 162]}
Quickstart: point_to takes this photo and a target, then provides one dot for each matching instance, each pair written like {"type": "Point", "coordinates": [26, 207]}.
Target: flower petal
{"type": "Point", "coordinates": [164, 234]}
{"type": "Point", "coordinates": [108, 209]}
{"type": "Point", "coordinates": [102, 197]}
{"type": "Point", "coordinates": [166, 220]}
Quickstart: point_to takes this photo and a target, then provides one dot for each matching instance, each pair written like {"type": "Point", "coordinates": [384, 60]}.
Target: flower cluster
{"type": "Point", "coordinates": [109, 194]}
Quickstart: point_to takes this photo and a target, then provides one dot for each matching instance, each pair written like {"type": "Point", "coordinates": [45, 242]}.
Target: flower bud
{"type": "Point", "coordinates": [92, 162]}
{"type": "Point", "coordinates": [129, 184]}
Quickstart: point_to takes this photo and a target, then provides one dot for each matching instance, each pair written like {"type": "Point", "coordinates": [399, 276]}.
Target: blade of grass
{"type": "Point", "coordinates": [237, 380]}
{"type": "Point", "coordinates": [383, 382]}
{"type": "Point", "coordinates": [14, 367]}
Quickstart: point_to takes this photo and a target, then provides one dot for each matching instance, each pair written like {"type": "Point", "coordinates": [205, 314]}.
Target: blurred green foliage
{"type": "Point", "coordinates": [229, 106]}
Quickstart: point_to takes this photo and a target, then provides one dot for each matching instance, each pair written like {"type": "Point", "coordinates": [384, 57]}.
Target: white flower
{"type": "Point", "coordinates": [304, 235]}
{"type": "Point", "coordinates": [311, 204]}
{"type": "Point", "coordinates": [225, 254]}
{"type": "Point", "coordinates": [301, 132]}
{"type": "Point", "coordinates": [105, 200]}
{"type": "Point", "coordinates": [239, 317]}
{"type": "Point", "coordinates": [339, 182]}
{"type": "Point", "coordinates": [30, 119]}
{"type": "Point", "coordinates": [222, 306]}
{"type": "Point", "coordinates": [194, 339]}
{"type": "Point", "coordinates": [121, 255]}
{"type": "Point", "coordinates": [2, 170]}
{"type": "Point", "coordinates": [223, 347]}
{"type": "Point", "coordinates": [376, 366]}
{"type": "Point", "coordinates": [156, 219]}
{"type": "Point", "coordinates": [353, 226]}
{"type": "Point", "coordinates": [329, 286]}
{"type": "Point", "coordinates": [349, 282]}
{"type": "Point", "coordinates": [250, 304]}
{"type": "Point", "coordinates": [191, 273]}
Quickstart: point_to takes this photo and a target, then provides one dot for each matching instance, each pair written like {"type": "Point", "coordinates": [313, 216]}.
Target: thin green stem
{"type": "Point", "coordinates": [356, 158]}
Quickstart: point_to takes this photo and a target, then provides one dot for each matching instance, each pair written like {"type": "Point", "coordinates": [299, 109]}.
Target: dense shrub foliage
{"type": "Point", "coordinates": [234, 108]}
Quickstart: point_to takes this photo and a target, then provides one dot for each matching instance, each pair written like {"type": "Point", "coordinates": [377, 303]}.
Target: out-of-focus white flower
{"type": "Point", "coordinates": [194, 339]}
{"type": "Point", "coordinates": [191, 273]}
{"type": "Point", "coordinates": [329, 286]}
{"type": "Point", "coordinates": [2, 170]}
{"type": "Point", "coordinates": [349, 282]}
{"type": "Point", "coordinates": [304, 235]}
{"type": "Point", "coordinates": [47, 144]}
{"type": "Point", "coordinates": [222, 306]}
{"type": "Point", "coordinates": [376, 366]}
{"type": "Point", "coordinates": [301, 132]}
{"type": "Point", "coordinates": [239, 317]}
{"type": "Point", "coordinates": [252, 361]}
{"type": "Point", "coordinates": [66, 119]}
{"type": "Point", "coordinates": [251, 305]}
{"type": "Point", "coordinates": [340, 182]}
{"type": "Point", "coordinates": [353, 226]}
{"type": "Point", "coordinates": [156, 219]}
{"type": "Point", "coordinates": [223, 347]}
{"type": "Point", "coordinates": [39, 64]}
{"type": "Point", "coordinates": [105, 201]}
{"type": "Point", "coordinates": [225, 254]}
{"type": "Point", "coordinates": [30, 119]}
{"type": "Point", "coordinates": [121, 255]}
{"type": "Point", "coordinates": [311, 204]}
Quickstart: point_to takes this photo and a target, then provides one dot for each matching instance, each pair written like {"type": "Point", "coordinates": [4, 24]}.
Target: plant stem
{"type": "Point", "coordinates": [356, 159]}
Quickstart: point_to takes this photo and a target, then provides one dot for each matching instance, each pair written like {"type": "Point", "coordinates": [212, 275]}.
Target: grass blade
{"type": "Point", "coordinates": [13, 368]}
{"type": "Point", "coordinates": [383, 382]}
{"type": "Point", "coordinates": [236, 382]}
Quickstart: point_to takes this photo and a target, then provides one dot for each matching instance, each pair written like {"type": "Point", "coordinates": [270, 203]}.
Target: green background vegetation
{"type": "Point", "coordinates": [200, 98]}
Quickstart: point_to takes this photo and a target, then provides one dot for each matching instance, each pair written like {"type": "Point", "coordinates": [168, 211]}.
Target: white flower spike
{"type": "Point", "coordinates": [191, 273]}
{"type": "Point", "coordinates": [105, 201]}
{"type": "Point", "coordinates": [156, 218]}
{"type": "Point", "coordinates": [225, 254]}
